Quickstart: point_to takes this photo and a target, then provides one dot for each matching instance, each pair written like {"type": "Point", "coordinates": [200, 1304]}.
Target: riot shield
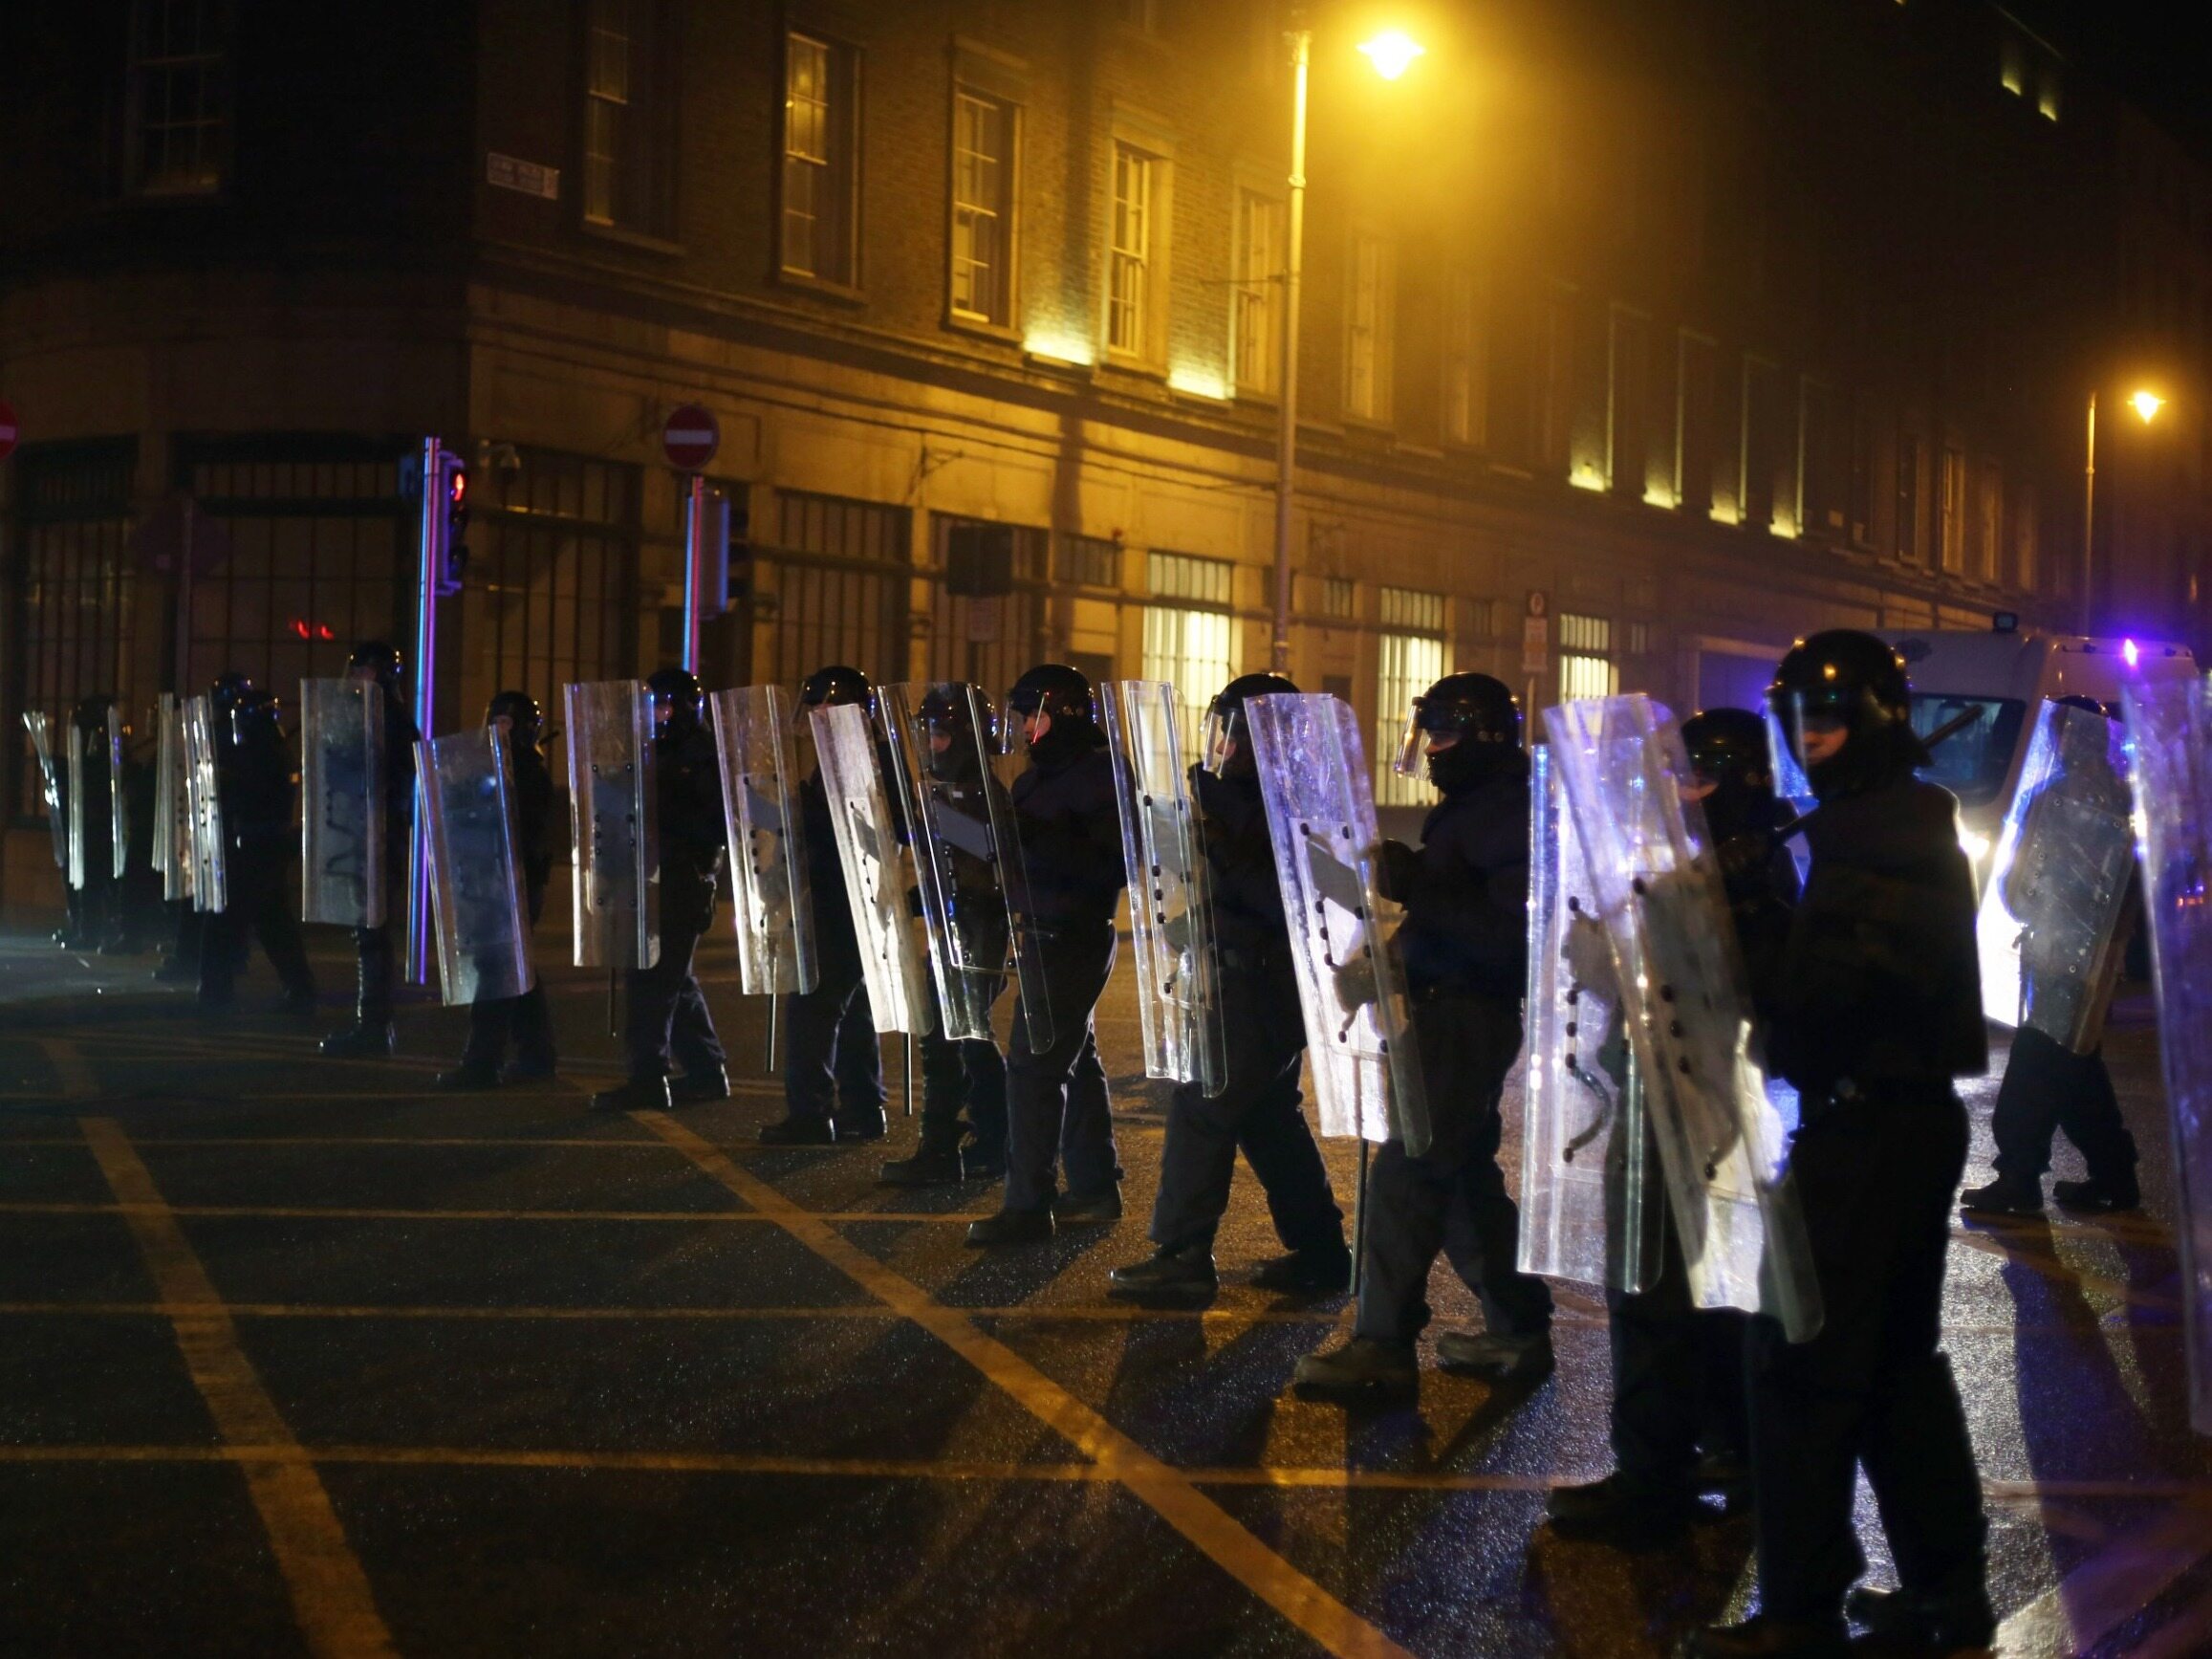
{"type": "Point", "coordinates": [1589, 1211]}
{"type": "Point", "coordinates": [615, 882]}
{"type": "Point", "coordinates": [210, 889]}
{"type": "Point", "coordinates": [877, 882]}
{"type": "Point", "coordinates": [2169, 736]}
{"type": "Point", "coordinates": [118, 808]}
{"type": "Point", "coordinates": [1170, 917]}
{"type": "Point", "coordinates": [2051, 909]}
{"type": "Point", "coordinates": [1664, 911]}
{"type": "Point", "coordinates": [1313, 778]}
{"type": "Point", "coordinates": [80, 761]}
{"type": "Point", "coordinates": [774, 911]}
{"type": "Point", "coordinates": [960, 831]}
{"type": "Point", "coordinates": [477, 910]}
{"type": "Point", "coordinates": [172, 853]}
{"type": "Point", "coordinates": [36, 722]}
{"type": "Point", "coordinates": [341, 786]}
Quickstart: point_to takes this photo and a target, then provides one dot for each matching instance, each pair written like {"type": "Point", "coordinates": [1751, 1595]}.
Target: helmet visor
{"type": "Point", "coordinates": [1785, 718]}
{"type": "Point", "coordinates": [1408, 762]}
{"type": "Point", "coordinates": [1219, 737]}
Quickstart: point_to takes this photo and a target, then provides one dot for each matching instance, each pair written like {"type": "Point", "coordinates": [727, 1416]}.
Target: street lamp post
{"type": "Point", "coordinates": [2146, 404]}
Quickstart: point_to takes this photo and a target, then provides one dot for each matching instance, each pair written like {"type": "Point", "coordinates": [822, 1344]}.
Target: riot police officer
{"type": "Point", "coordinates": [1465, 949]}
{"type": "Point", "coordinates": [2048, 1086]}
{"type": "Point", "coordinates": [964, 1081]}
{"type": "Point", "coordinates": [96, 908]}
{"type": "Point", "coordinates": [526, 1018]}
{"type": "Point", "coordinates": [1877, 1008]}
{"type": "Point", "coordinates": [370, 1034]}
{"type": "Point", "coordinates": [1265, 1034]}
{"type": "Point", "coordinates": [1678, 1370]}
{"type": "Point", "coordinates": [229, 691]}
{"type": "Point", "coordinates": [833, 1066]}
{"type": "Point", "coordinates": [1071, 879]}
{"type": "Point", "coordinates": [668, 1017]}
{"type": "Point", "coordinates": [254, 786]}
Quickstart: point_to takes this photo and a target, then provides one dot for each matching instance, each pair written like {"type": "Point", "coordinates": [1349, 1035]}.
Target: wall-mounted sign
{"type": "Point", "coordinates": [529, 177]}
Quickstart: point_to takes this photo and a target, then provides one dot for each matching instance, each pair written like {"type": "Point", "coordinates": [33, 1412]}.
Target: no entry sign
{"type": "Point", "coordinates": [7, 428]}
{"type": "Point", "coordinates": [691, 438]}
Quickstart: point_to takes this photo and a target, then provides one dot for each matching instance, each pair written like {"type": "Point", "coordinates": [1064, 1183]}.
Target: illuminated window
{"type": "Point", "coordinates": [983, 207]}
{"type": "Point", "coordinates": [1259, 258]}
{"type": "Point", "coordinates": [1367, 330]}
{"type": "Point", "coordinates": [1953, 547]}
{"type": "Point", "coordinates": [180, 95]}
{"type": "Point", "coordinates": [1087, 562]}
{"type": "Point", "coordinates": [1191, 642]}
{"type": "Point", "coordinates": [626, 111]}
{"type": "Point", "coordinates": [1406, 666]}
{"type": "Point", "coordinates": [1586, 658]}
{"type": "Point", "coordinates": [1464, 391]}
{"type": "Point", "coordinates": [2047, 92]}
{"type": "Point", "coordinates": [1130, 258]}
{"type": "Point", "coordinates": [819, 175]}
{"type": "Point", "coordinates": [2013, 65]}
{"type": "Point", "coordinates": [1336, 597]}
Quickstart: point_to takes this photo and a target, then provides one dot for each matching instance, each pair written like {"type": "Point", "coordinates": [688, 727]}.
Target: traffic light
{"type": "Point", "coordinates": [453, 564]}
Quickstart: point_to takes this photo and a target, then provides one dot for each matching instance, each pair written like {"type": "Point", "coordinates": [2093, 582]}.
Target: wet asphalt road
{"type": "Point", "coordinates": [299, 1356]}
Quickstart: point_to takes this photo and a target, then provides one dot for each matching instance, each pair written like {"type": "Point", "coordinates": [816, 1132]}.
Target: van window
{"type": "Point", "coordinates": [1972, 762]}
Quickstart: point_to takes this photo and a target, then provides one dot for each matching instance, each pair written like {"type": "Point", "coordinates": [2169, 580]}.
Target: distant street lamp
{"type": "Point", "coordinates": [1391, 53]}
{"type": "Point", "coordinates": [2146, 403]}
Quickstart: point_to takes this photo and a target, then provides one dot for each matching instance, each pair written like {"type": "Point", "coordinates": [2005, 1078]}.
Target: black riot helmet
{"type": "Point", "coordinates": [526, 720]}
{"type": "Point", "coordinates": [678, 701]}
{"type": "Point", "coordinates": [381, 658]}
{"type": "Point", "coordinates": [1062, 696]}
{"type": "Point", "coordinates": [1728, 749]}
{"type": "Point", "coordinates": [230, 690]}
{"type": "Point", "coordinates": [91, 712]}
{"type": "Point", "coordinates": [1226, 747]}
{"type": "Point", "coordinates": [1856, 680]}
{"type": "Point", "coordinates": [257, 716]}
{"type": "Point", "coordinates": [828, 687]}
{"type": "Point", "coordinates": [1481, 720]}
{"type": "Point", "coordinates": [961, 724]}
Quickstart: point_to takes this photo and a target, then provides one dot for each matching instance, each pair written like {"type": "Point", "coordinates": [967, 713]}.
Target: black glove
{"type": "Point", "coordinates": [1740, 854]}
{"type": "Point", "coordinates": [1396, 869]}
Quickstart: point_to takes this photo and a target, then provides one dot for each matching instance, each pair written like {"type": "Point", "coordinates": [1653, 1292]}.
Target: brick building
{"type": "Point", "coordinates": [1703, 324]}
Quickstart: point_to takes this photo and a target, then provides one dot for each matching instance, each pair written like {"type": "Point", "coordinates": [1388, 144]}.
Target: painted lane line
{"type": "Point", "coordinates": [330, 1592]}
{"type": "Point", "coordinates": [69, 1064]}
{"type": "Point", "coordinates": [1170, 1493]}
{"type": "Point", "coordinates": [2112, 1586]}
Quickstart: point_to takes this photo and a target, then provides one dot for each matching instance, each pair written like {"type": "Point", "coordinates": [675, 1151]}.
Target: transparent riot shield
{"type": "Point", "coordinates": [1313, 778]}
{"type": "Point", "coordinates": [1170, 917]}
{"type": "Point", "coordinates": [1664, 911]}
{"type": "Point", "coordinates": [210, 888]}
{"type": "Point", "coordinates": [478, 913]}
{"type": "Point", "coordinates": [2050, 924]}
{"type": "Point", "coordinates": [341, 787]}
{"type": "Point", "coordinates": [119, 807]}
{"type": "Point", "coordinates": [877, 881]}
{"type": "Point", "coordinates": [774, 911]}
{"type": "Point", "coordinates": [1589, 1210]}
{"type": "Point", "coordinates": [40, 730]}
{"type": "Point", "coordinates": [615, 882]}
{"type": "Point", "coordinates": [965, 844]}
{"type": "Point", "coordinates": [172, 853]}
{"type": "Point", "coordinates": [79, 761]}
{"type": "Point", "coordinates": [2169, 737]}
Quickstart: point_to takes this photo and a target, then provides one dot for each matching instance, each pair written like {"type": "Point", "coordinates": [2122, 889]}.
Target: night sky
{"type": "Point", "coordinates": [2158, 52]}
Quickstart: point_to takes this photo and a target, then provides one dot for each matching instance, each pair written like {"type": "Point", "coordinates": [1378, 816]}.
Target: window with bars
{"type": "Point", "coordinates": [819, 178]}
{"type": "Point", "coordinates": [1909, 497]}
{"type": "Point", "coordinates": [1367, 322]}
{"type": "Point", "coordinates": [178, 95]}
{"type": "Point", "coordinates": [1131, 255]}
{"type": "Point", "coordinates": [1585, 667]}
{"type": "Point", "coordinates": [983, 135]}
{"type": "Point", "coordinates": [74, 589]}
{"type": "Point", "coordinates": [1087, 562]}
{"type": "Point", "coordinates": [1409, 658]}
{"type": "Point", "coordinates": [1191, 644]}
{"type": "Point", "coordinates": [1953, 549]}
{"type": "Point", "coordinates": [995, 626]}
{"type": "Point", "coordinates": [552, 548]}
{"type": "Point", "coordinates": [1466, 394]}
{"type": "Point", "coordinates": [1336, 597]}
{"type": "Point", "coordinates": [841, 574]}
{"type": "Point", "coordinates": [1259, 315]}
{"type": "Point", "coordinates": [628, 112]}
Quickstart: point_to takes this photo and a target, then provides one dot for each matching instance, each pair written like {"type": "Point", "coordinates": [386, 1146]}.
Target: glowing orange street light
{"type": "Point", "coordinates": [2146, 404]}
{"type": "Point", "coordinates": [1391, 53]}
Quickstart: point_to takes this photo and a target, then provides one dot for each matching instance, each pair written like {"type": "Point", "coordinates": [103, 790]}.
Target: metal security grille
{"type": "Point", "coordinates": [321, 554]}
{"type": "Point", "coordinates": [840, 576]}
{"type": "Point", "coordinates": [1407, 664]}
{"type": "Point", "coordinates": [554, 546]}
{"type": "Point", "coordinates": [989, 639]}
{"type": "Point", "coordinates": [1193, 647]}
{"type": "Point", "coordinates": [1585, 667]}
{"type": "Point", "coordinates": [73, 595]}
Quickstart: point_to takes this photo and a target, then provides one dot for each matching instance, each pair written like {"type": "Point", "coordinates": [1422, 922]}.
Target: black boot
{"type": "Point", "coordinates": [2003, 1196]}
{"type": "Point", "coordinates": [1011, 1226]}
{"type": "Point", "coordinates": [637, 1095]}
{"type": "Point", "coordinates": [1914, 1621]}
{"type": "Point", "coordinates": [1183, 1275]}
{"type": "Point", "coordinates": [1621, 1513]}
{"type": "Point", "coordinates": [2095, 1197]}
{"type": "Point", "coordinates": [1764, 1638]}
{"type": "Point", "coordinates": [1319, 1272]}
{"type": "Point", "coordinates": [697, 1088]}
{"type": "Point", "coordinates": [935, 1164]}
{"type": "Point", "coordinates": [798, 1131]}
{"type": "Point", "coordinates": [360, 1041]}
{"type": "Point", "coordinates": [469, 1076]}
{"type": "Point", "coordinates": [978, 1162]}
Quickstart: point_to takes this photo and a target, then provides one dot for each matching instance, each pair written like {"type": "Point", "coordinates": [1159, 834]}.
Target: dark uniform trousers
{"type": "Point", "coordinates": [1678, 1375]}
{"type": "Point", "coordinates": [1257, 1111]}
{"type": "Point", "coordinates": [969, 1076]}
{"type": "Point", "coordinates": [526, 1020]}
{"type": "Point", "coordinates": [668, 1017]}
{"type": "Point", "coordinates": [2048, 1087]}
{"type": "Point", "coordinates": [833, 1063]}
{"type": "Point", "coordinates": [257, 897]}
{"type": "Point", "coordinates": [1453, 1197]}
{"type": "Point", "coordinates": [1058, 1110]}
{"type": "Point", "coordinates": [1876, 1179]}
{"type": "Point", "coordinates": [378, 949]}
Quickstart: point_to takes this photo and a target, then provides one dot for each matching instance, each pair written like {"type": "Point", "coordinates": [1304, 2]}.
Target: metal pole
{"type": "Point", "coordinates": [1287, 434]}
{"type": "Point", "coordinates": [774, 1007]}
{"type": "Point", "coordinates": [185, 603]}
{"type": "Point", "coordinates": [431, 542]}
{"type": "Point", "coordinates": [910, 1073]}
{"type": "Point", "coordinates": [694, 534]}
{"type": "Point", "coordinates": [1359, 1221]}
{"type": "Point", "coordinates": [2089, 517]}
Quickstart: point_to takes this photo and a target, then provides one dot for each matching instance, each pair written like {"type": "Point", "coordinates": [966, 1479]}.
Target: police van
{"type": "Point", "coordinates": [2001, 678]}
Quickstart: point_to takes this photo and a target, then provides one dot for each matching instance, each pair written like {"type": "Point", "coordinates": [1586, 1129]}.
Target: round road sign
{"type": "Point", "coordinates": [691, 438]}
{"type": "Point", "coordinates": [8, 428]}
